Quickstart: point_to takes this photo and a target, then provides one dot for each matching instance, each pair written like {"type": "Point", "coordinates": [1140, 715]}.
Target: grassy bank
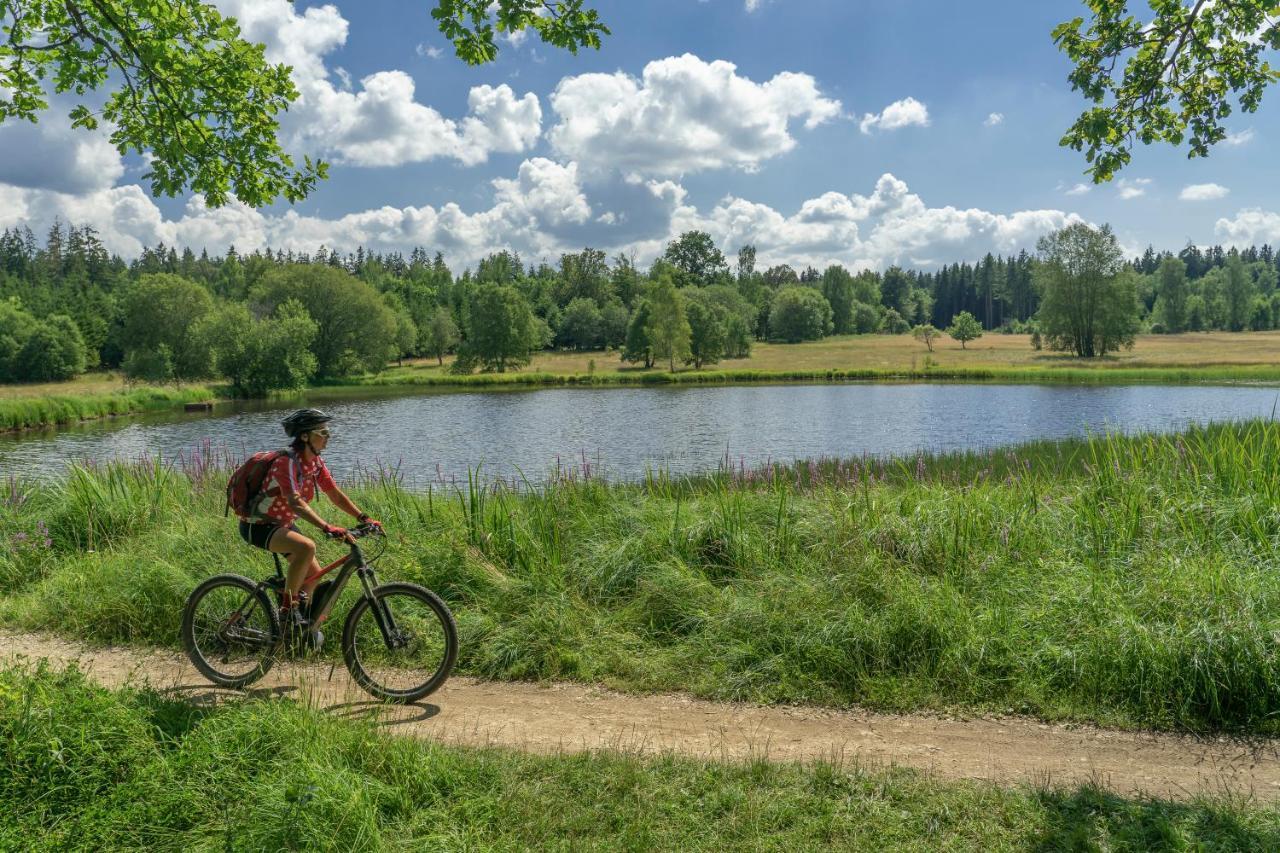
{"type": "Point", "coordinates": [1128, 581]}
{"type": "Point", "coordinates": [91, 769]}
{"type": "Point", "coordinates": [1200, 357]}
{"type": "Point", "coordinates": [27, 412]}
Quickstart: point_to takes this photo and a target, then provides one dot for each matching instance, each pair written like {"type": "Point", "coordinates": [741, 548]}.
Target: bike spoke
{"type": "Point", "coordinates": [410, 653]}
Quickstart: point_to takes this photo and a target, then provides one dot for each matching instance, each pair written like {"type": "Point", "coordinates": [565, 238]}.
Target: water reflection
{"type": "Point", "coordinates": [684, 429]}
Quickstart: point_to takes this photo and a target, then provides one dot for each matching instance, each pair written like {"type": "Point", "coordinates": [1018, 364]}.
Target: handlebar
{"type": "Point", "coordinates": [362, 530]}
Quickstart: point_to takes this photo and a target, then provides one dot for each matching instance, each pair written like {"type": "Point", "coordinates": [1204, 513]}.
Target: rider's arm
{"type": "Point", "coordinates": [342, 502]}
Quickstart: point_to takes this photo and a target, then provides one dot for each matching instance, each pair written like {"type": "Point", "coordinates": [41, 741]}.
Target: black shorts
{"type": "Point", "coordinates": [258, 535]}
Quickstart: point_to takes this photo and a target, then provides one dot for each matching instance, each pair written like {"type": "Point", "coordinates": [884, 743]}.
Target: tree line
{"type": "Point", "coordinates": [275, 320]}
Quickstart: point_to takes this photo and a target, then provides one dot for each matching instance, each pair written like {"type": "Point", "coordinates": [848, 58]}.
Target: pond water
{"type": "Point", "coordinates": [622, 432]}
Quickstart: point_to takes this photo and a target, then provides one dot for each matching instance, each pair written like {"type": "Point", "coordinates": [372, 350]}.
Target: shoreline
{"type": "Point", "coordinates": [24, 414]}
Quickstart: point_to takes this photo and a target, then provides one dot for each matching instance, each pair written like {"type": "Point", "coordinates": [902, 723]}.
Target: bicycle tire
{"type": "Point", "coordinates": [258, 641]}
{"type": "Point", "coordinates": [373, 679]}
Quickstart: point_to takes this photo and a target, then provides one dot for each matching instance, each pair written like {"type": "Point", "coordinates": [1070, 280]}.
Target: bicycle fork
{"type": "Point", "coordinates": [381, 612]}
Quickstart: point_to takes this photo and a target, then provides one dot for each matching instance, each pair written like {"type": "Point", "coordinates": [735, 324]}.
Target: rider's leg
{"type": "Point", "coordinates": [300, 552]}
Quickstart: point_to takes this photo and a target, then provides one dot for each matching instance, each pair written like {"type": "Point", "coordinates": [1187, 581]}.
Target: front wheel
{"type": "Point", "coordinates": [229, 629]}
{"type": "Point", "coordinates": [401, 645]}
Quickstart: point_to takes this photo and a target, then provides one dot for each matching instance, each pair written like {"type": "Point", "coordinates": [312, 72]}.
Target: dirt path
{"type": "Point", "coordinates": [564, 717]}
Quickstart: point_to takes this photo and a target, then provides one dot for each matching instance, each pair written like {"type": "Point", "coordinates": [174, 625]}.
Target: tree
{"type": "Point", "coordinates": [501, 329]}
{"type": "Point", "coordinates": [1171, 285]}
{"type": "Point", "coordinates": [668, 327]}
{"type": "Point", "coordinates": [965, 327]}
{"type": "Point", "coordinates": [613, 324]}
{"type": "Point", "coordinates": [837, 287]}
{"type": "Point", "coordinates": [696, 259]}
{"type": "Point", "coordinates": [866, 318]}
{"type": "Point", "coordinates": [160, 310]}
{"type": "Point", "coordinates": [440, 334]}
{"type": "Point", "coordinates": [1239, 293]}
{"type": "Point", "coordinates": [893, 323]}
{"type": "Point", "coordinates": [895, 291]}
{"type": "Point", "coordinates": [184, 87]}
{"type": "Point", "coordinates": [707, 332]}
{"type": "Point", "coordinates": [54, 352]}
{"type": "Point", "coordinates": [927, 334]}
{"type": "Point", "coordinates": [799, 314]}
{"type": "Point", "coordinates": [1088, 303]}
{"type": "Point", "coordinates": [581, 326]}
{"type": "Point", "coordinates": [356, 331]}
{"type": "Point", "coordinates": [1181, 69]}
{"type": "Point", "coordinates": [261, 356]}
{"type": "Point", "coordinates": [637, 346]}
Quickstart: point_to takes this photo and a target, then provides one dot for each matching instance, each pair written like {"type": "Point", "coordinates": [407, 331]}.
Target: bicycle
{"type": "Point", "coordinates": [233, 629]}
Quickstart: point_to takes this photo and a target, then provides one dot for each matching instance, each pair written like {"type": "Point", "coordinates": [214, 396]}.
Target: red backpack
{"type": "Point", "coordinates": [246, 482]}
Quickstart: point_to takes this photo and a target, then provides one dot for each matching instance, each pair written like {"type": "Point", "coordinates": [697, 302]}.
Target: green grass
{"type": "Point", "coordinates": [1127, 581]}
{"type": "Point", "coordinates": [90, 769]}
{"type": "Point", "coordinates": [57, 409]}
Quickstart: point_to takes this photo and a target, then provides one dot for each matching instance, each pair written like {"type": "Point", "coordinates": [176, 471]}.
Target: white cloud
{"type": "Point", "coordinates": [53, 155]}
{"type": "Point", "coordinates": [752, 5]}
{"type": "Point", "coordinates": [381, 123]}
{"type": "Point", "coordinates": [1079, 189]}
{"type": "Point", "coordinates": [1249, 227]}
{"type": "Point", "coordinates": [994, 119]}
{"type": "Point", "coordinates": [1131, 188]}
{"type": "Point", "coordinates": [1203, 192]}
{"type": "Point", "coordinates": [897, 115]}
{"type": "Point", "coordinates": [683, 115]}
{"type": "Point", "coordinates": [546, 209]}
{"type": "Point", "coordinates": [1244, 137]}
{"type": "Point", "coordinates": [429, 51]}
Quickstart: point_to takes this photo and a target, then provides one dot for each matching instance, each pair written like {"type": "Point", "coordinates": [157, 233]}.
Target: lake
{"type": "Point", "coordinates": [622, 432]}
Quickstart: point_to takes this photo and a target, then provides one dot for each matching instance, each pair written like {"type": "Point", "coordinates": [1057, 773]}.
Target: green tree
{"type": "Point", "coordinates": [926, 334]}
{"type": "Point", "coordinates": [866, 318]}
{"type": "Point", "coordinates": [799, 314]}
{"type": "Point", "coordinates": [160, 310]}
{"type": "Point", "coordinates": [581, 325]}
{"type": "Point", "coordinates": [837, 287]}
{"type": "Point", "coordinates": [183, 86]}
{"type": "Point", "coordinates": [695, 258]}
{"type": "Point", "coordinates": [501, 329]}
{"type": "Point", "coordinates": [440, 334]}
{"type": "Point", "coordinates": [1088, 304]}
{"type": "Point", "coordinates": [707, 332]}
{"type": "Point", "coordinates": [1239, 293]}
{"type": "Point", "coordinates": [893, 323]}
{"type": "Point", "coordinates": [613, 324]}
{"type": "Point", "coordinates": [895, 291]}
{"type": "Point", "coordinates": [1180, 67]}
{"type": "Point", "coordinates": [55, 351]}
{"type": "Point", "coordinates": [16, 327]}
{"type": "Point", "coordinates": [356, 331]}
{"type": "Point", "coordinates": [1171, 284]}
{"type": "Point", "coordinates": [668, 327]}
{"type": "Point", "coordinates": [964, 327]}
{"type": "Point", "coordinates": [638, 346]}
{"type": "Point", "coordinates": [261, 356]}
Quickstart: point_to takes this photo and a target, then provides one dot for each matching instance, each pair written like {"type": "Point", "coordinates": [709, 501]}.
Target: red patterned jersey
{"type": "Point", "coordinates": [288, 475]}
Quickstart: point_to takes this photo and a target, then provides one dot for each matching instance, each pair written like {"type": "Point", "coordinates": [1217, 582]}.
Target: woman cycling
{"type": "Point", "coordinates": [287, 490]}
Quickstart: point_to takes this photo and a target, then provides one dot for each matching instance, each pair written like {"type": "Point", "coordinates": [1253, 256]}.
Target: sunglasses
{"type": "Point", "coordinates": [323, 433]}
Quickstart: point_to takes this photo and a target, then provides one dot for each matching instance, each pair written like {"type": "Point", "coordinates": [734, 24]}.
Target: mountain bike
{"type": "Point", "coordinates": [399, 640]}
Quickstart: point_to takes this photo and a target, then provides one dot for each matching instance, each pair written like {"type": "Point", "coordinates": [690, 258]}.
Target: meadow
{"type": "Point", "coordinates": [91, 769]}
{"type": "Point", "coordinates": [1125, 581]}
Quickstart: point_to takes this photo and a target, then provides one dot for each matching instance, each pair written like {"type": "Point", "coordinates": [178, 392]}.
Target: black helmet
{"type": "Point", "coordinates": [304, 420]}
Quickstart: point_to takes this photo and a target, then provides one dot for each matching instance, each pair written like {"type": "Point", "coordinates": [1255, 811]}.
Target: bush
{"type": "Point", "coordinates": [799, 314]}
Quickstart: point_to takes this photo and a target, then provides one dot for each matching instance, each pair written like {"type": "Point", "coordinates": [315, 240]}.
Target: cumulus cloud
{"type": "Point", "coordinates": [547, 208]}
{"type": "Point", "coordinates": [381, 123]}
{"type": "Point", "coordinates": [994, 119]}
{"type": "Point", "coordinates": [897, 115]}
{"type": "Point", "coordinates": [682, 115]}
{"type": "Point", "coordinates": [1203, 192]}
{"type": "Point", "coordinates": [1249, 227]}
{"type": "Point", "coordinates": [55, 156]}
{"type": "Point", "coordinates": [1129, 189]}
{"type": "Point", "coordinates": [1079, 189]}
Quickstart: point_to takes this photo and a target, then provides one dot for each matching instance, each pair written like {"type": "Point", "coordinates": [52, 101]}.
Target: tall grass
{"type": "Point", "coordinates": [1125, 580]}
{"type": "Point", "coordinates": [29, 412]}
{"type": "Point", "coordinates": [90, 769]}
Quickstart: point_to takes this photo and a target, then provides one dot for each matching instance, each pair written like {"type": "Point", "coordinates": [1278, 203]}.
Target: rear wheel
{"type": "Point", "coordinates": [230, 630]}
{"type": "Point", "coordinates": [401, 646]}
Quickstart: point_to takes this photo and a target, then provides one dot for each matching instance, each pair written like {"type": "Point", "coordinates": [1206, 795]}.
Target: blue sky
{"type": "Point", "coordinates": [864, 132]}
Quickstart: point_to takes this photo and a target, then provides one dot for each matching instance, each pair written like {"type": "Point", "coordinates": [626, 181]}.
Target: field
{"type": "Point", "coordinates": [1128, 582]}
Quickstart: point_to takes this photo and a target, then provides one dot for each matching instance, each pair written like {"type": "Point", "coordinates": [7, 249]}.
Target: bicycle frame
{"type": "Point", "coordinates": [352, 564]}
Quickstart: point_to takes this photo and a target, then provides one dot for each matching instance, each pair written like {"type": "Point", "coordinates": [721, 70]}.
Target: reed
{"type": "Point", "coordinates": [1126, 580]}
